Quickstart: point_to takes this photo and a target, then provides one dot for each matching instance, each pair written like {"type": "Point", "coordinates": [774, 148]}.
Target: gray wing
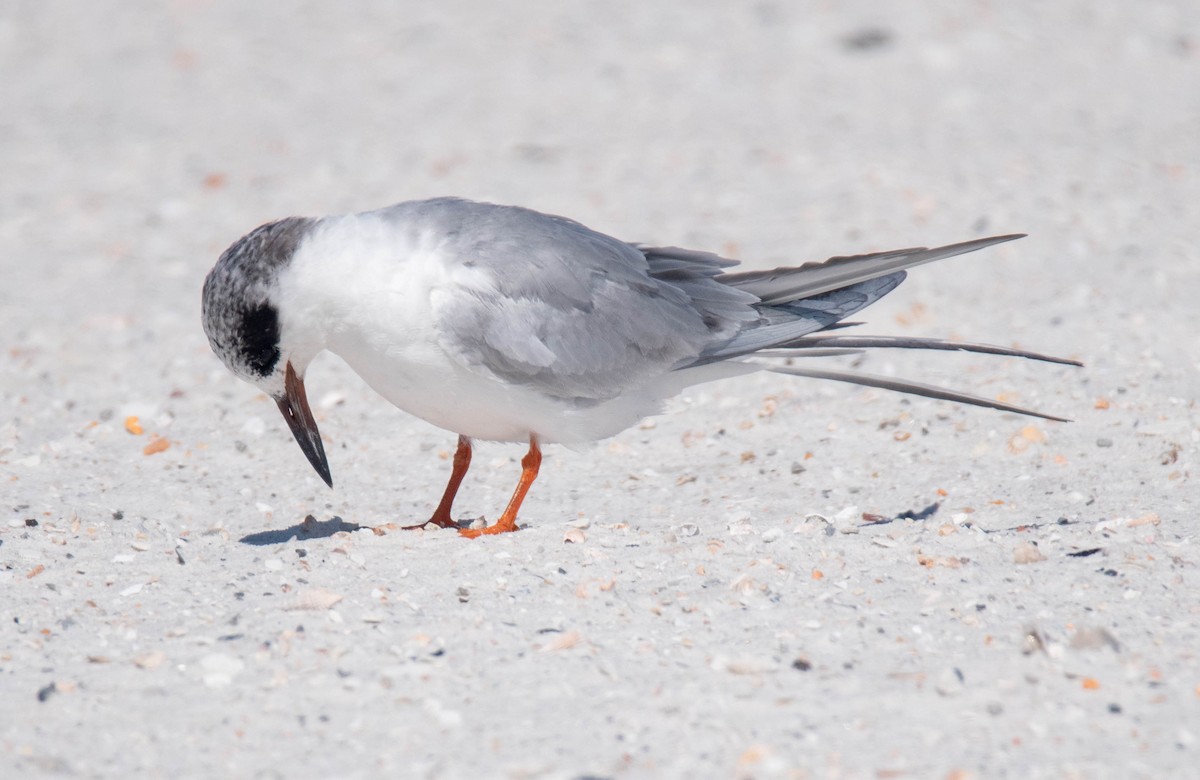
{"type": "Point", "coordinates": [812, 297]}
{"type": "Point", "coordinates": [571, 312]}
{"type": "Point", "coordinates": [582, 316]}
{"type": "Point", "coordinates": [788, 284]}
{"type": "Point", "coordinates": [783, 324]}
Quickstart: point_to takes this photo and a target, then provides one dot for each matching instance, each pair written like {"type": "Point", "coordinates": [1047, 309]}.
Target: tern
{"type": "Point", "coordinates": [506, 324]}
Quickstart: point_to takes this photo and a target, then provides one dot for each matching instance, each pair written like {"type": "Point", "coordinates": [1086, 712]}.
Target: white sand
{"type": "Point", "coordinates": [164, 616]}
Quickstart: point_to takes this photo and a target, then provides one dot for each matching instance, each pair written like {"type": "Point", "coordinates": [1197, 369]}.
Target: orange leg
{"type": "Point", "coordinates": [508, 521]}
{"type": "Point", "coordinates": [441, 516]}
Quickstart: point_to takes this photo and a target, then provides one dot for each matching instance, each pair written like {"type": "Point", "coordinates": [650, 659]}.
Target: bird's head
{"type": "Point", "coordinates": [251, 334]}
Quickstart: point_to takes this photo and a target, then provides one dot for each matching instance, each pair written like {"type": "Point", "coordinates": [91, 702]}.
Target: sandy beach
{"type": "Point", "coordinates": [778, 578]}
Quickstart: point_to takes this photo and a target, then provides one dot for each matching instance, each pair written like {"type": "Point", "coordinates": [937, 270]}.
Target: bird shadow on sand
{"type": "Point", "coordinates": [309, 528]}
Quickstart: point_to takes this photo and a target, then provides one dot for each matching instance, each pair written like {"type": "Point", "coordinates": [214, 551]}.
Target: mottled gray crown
{"type": "Point", "coordinates": [240, 321]}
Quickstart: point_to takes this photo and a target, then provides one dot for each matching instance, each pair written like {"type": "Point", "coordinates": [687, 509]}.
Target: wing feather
{"type": "Point", "coordinates": [786, 284]}
{"type": "Point", "coordinates": [571, 312]}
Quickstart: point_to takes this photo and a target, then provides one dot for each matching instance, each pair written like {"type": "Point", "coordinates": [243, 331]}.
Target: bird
{"type": "Point", "coordinates": [507, 324]}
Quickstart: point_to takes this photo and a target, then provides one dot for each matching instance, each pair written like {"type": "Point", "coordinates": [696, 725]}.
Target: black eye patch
{"type": "Point", "coordinates": [258, 338]}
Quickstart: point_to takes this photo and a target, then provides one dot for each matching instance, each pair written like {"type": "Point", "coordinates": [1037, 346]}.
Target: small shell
{"type": "Point", "coordinates": [315, 599]}
{"type": "Point", "coordinates": [150, 660]}
{"type": "Point", "coordinates": [157, 444]}
{"type": "Point", "coordinates": [1027, 552]}
{"type": "Point", "coordinates": [563, 641]}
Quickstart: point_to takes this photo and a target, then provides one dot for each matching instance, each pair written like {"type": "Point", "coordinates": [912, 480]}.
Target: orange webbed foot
{"type": "Point", "coordinates": [498, 528]}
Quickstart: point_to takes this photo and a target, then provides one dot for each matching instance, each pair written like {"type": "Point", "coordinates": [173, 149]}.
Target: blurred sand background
{"type": "Point", "coordinates": [730, 590]}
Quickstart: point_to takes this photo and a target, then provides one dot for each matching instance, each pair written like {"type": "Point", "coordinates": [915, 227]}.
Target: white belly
{"type": "Point", "coordinates": [431, 386]}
